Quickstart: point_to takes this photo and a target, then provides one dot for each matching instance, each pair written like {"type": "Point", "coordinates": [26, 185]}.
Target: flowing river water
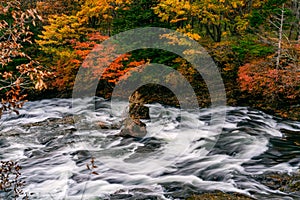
{"type": "Point", "coordinates": [171, 162]}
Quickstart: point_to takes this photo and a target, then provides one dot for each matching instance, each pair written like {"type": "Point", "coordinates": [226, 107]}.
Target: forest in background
{"type": "Point", "coordinates": [255, 44]}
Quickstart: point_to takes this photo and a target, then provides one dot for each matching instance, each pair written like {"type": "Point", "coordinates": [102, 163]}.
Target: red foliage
{"type": "Point", "coordinates": [111, 70]}
{"type": "Point", "coordinates": [260, 78]}
{"type": "Point", "coordinates": [117, 71]}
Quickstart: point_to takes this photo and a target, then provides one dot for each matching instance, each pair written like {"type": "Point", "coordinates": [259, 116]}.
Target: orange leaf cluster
{"type": "Point", "coordinates": [92, 53]}
{"type": "Point", "coordinates": [117, 71]}
{"type": "Point", "coordinates": [260, 78]}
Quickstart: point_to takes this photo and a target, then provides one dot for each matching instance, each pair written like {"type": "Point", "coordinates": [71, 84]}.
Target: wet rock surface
{"type": "Point", "coordinates": [132, 125]}
{"type": "Point", "coordinates": [104, 125]}
{"type": "Point", "coordinates": [67, 120]}
{"type": "Point", "coordinates": [288, 183]}
{"type": "Point", "coordinates": [133, 128]}
{"type": "Point", "coordinates": [219, 196]}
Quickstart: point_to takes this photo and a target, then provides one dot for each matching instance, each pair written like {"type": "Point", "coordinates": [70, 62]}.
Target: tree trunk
{"type": "Point", "coordinates": [280, 38]}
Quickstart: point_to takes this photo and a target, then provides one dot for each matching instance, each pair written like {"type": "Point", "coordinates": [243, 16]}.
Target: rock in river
{"type": "Point", "coordinates": [133, 128]}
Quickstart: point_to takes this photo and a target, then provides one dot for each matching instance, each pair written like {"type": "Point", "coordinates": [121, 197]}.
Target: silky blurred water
{"type": "Point", "coordinates": [172, 162]}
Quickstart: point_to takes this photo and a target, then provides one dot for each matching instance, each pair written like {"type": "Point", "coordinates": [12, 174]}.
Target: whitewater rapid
{"type": "Point", "coordinates": [181, 154]}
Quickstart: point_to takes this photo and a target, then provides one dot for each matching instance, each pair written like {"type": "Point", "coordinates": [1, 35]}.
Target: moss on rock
{"type": "Point", "coordinates": [219, 196]}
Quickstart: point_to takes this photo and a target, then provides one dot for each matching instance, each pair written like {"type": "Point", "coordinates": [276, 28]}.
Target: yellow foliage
{"type": "Point", "coordinates": [60, 31]}
{"type": "Point", "coordinates": [234, 5]}
{"type": "Point", "coordinates": [194, 36]}
{"type": "Point", "coordinates": [101, 9]}
{"type": "Point", "coordinates": [178, 20]}
{"type": "Point", "coordinates": [232, 13]}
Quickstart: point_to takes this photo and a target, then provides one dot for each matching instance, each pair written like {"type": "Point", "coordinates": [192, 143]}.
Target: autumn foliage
{"type": "Point", "coordinates": [27, 74]}
{"type": "Point", "coordinates": [240, 36]}
{"type": "Point", "coordinates": [216, 18]}
{"type": "Point", "coordinates": [262, 79]}
{"type": "Point", "coordinates": [112, 71]}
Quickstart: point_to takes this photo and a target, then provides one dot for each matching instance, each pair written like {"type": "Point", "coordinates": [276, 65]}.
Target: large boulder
{"type": "Point", "coordinates": [133, 128]}
{"type": "Point", "coordinates": [132, 125]}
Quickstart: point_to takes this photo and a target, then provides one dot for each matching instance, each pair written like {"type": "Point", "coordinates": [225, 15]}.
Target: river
{"type": "Point", "coordinates": [173, 161]}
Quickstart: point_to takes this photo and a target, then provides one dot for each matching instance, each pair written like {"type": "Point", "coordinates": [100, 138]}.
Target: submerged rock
{"type": "Point", "coordinates": [289, 183]}
{"type": "Point", "coordinates": [54, 122]}
{"type": "Point", "coordinates": [219, 196]}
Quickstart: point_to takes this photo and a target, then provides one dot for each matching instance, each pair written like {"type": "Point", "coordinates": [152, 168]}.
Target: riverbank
{"type": "Point", "coordinates": [159, 94]}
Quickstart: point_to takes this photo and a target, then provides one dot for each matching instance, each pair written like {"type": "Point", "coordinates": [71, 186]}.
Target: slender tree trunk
{"type": "Point", "coordinates": [280, 38]}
